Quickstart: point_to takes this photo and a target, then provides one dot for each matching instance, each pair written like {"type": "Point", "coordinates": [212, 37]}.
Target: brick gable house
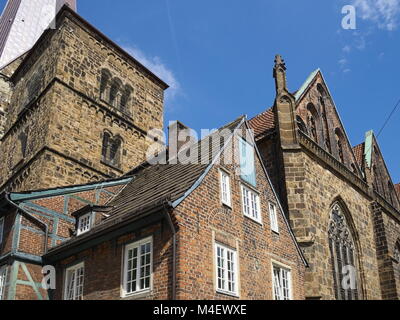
{"type": "Point", "coordinates": [177, 231]}
{"type": "Point", "coordinates": [341, 201]}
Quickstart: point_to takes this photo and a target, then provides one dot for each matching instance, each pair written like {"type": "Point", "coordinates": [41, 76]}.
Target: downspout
{"type": "Point", "coordinates": [8, 199]}
{"type": "Point", "coordinates": [173, 229]}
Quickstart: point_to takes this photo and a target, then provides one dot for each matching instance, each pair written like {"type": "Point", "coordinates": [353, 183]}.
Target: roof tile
{"type": "Point", "coordinates": [263, 123]}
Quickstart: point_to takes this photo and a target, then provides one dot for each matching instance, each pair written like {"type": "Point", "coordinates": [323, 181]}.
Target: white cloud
{"type": "Point", "coordinates": [342, 62]}
{"type": "Point", "coordinates": [155, 65]}
{"type": "Point", "coordinates": [384, 13]}
{"type": "Point", "coordinates": [346, 49]}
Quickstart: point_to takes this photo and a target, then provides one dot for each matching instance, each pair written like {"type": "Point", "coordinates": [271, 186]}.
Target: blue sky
{"type": "Point", "coordinates": [218, 56]}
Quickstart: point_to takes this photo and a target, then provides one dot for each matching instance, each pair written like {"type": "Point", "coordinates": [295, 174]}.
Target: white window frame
{"type": "Point", "coordinates": [278, 290]}
{"type": "Point", "coordinates": [1, 230]}
{"type": "Point", "coordinates": [138, 245]}
{"type": "Point", "coordinates": [75, 268]}
{"type": "Point", "coordinates": [273, 215]}
{"type": "Point", "coordinates": [88, 215]}
{"type": "Point", "coordinates": [228, 200]}
{"type": "Point", "coordinates": [250, 207]}
{"type": "Point", "coordinates": [225, 280]}
{"type": "Point", "coordinates": [3, 281]}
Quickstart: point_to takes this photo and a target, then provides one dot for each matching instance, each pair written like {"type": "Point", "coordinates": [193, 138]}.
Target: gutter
{"type": "Point", "coordinates": [174, 249]}
{"type": "Point", "coordinates": [46, 228]}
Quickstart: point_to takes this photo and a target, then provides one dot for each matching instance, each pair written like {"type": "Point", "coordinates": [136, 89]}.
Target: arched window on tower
{"type": "Point", "coordinates": [126, 99]}
{"type": "Point", "coordinates": [105, 85]}
{"type": "Point", "coordinates": [111, 149]}
{"type": "Point", "coordinates": [312, 122]}
{"type": "Point", "coordinates": [115, 92]}
{"type": "Point", "coordinates": [340, 144]}
{"type": "Point", "coordinates": [343, 256]}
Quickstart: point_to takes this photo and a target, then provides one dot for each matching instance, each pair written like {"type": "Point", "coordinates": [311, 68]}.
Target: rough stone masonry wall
{"type": "Point", "coordinates": [203, 220]}
{"type": "Point", "coordinates": [79, 111]}
{"type": "Point", "coordinates": [312, 189]}
{"type": "Point", "coordinates": [387, 231]}
{"type": "Point", "coordinates": [69, 119]}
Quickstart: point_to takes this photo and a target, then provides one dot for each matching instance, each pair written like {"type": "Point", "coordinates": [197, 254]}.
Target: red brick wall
{"type": "Point", "coordinates": [103, 266]}
{"type": "Point", "coordinates": [202, 220]}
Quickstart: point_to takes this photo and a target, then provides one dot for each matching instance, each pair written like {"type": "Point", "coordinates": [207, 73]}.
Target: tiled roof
{"type": "Point", "coordinates": [397, 187]}
{"type": "Point", "coordinates": [153, 186]}
{"type": "Point", "coordinates": [359, 153]}
{"type": "Point", "coordinates": [263, 123]}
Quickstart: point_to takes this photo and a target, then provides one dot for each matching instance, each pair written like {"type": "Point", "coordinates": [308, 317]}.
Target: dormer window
{"type": "Point", "coordinates": [84, 224]}
{"type": "Point", "coordinates": [88, 217]}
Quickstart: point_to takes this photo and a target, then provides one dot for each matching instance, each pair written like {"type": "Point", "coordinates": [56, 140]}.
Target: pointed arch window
{"type": "Point", "coordinates": [340, 145]}
{"type": "Point", "coordinates": [111, 149]}
{"type": "Point", "coordinates": [312, 122]}
{"type": "Point", "coordinates": [343, 256]}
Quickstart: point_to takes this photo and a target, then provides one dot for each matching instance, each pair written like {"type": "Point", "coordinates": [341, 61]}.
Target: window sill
{"type": "Point", "coordinates": [111, 166]}
{"type": "Point", "coordinates": [228, 294]}
{"type": "Point", "coordinates": [115, 109]}
{"type": "Point", "coordinates": [137, 295]}
{"type": "Point", "coordinates": [254, 220]}
{"type": "Point", "coordinates": [227, 206]}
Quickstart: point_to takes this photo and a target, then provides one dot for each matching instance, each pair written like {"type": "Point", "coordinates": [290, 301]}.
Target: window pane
{"type": "Point", "coordinates": [247, 164]}
{"type": "Point", "coordinates": [226, 270]}
{"type": "Point", "coordinates": [138, 273]}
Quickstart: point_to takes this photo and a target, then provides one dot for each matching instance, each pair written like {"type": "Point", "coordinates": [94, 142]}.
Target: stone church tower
{"type": "Point", "coordinates": [79, 109]}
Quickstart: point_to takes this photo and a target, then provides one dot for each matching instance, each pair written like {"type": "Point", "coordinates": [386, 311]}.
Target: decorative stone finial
{"type": "Point", "coordinates": [280, 74]}
{"type": "Point", "coordinates": [279, 62]}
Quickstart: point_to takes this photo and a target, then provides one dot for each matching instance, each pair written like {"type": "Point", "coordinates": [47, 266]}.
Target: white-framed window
{"type": "Point", "coordinates": [74, 279]}
{"type": "Point", "coordinates": [226, 270]}
{"type": "Point", "coordinates": [225, 188]}
{"type": "Point", "coordinates": [138, 267]}
{"type": "Point", "coordinates": [282, 283]}
{"type": "Point", "coordinates": [273, 215]}
{"type": "Point", "coordinates": [84, 223]}
{"type": "Point", "coordinates": [1, 229]}
{"type": "Point", "coordinates": [3, 281]}
{"type": "Point", "coordinates": [251, 204]}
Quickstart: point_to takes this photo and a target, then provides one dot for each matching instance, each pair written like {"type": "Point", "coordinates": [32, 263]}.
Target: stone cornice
{"type": "Point", "coordinates": [386, 206]}
{"type": "Point", "coordinates": [339, 168]}
{"type": "Point", "coordinates": [23, 171]}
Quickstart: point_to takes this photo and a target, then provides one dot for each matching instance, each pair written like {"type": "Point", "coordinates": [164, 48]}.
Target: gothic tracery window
{"type": "Point", "coordinates": [343, 255]}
